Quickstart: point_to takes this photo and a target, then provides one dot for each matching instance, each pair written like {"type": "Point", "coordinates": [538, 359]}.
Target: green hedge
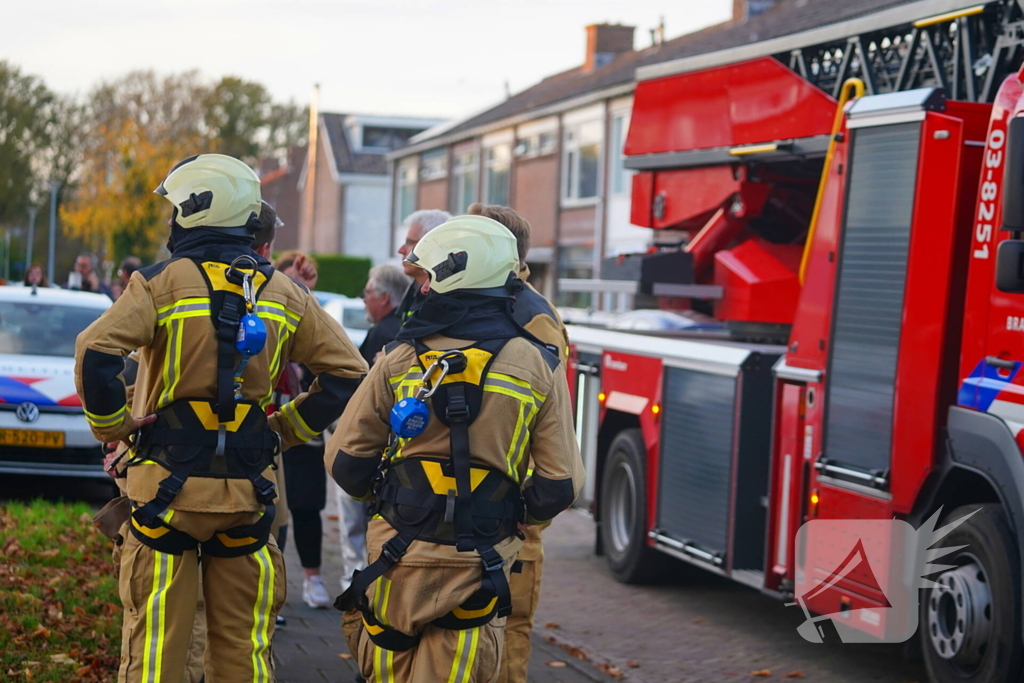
{"type": "Point", "coordinates": [342, 274]}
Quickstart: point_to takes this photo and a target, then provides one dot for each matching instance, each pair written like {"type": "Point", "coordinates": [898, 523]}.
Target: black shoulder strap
{"type": "Point", "coordinates": [226, 309]}
{"type": "Point", "coordinates": [548, 353]}
{"type": "Point", "coordinates": [150, 272]}
{"type": "Point", "coordinates": [388, 348]}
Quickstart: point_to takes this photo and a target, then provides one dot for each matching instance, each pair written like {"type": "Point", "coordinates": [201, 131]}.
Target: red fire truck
{"type": "Point", "coordinates": [864, 252]}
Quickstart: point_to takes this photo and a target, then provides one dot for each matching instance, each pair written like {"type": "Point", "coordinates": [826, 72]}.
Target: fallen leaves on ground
{"type": "Point", "coordinates": [551, 624]}
{"type": "Point", "coordinates": [571, 649]}
{"type": "Point", "coordinates": [557, 665]}
{"type": "Point", "coordinates": [59, 614]}
{"type": "Point", "coordinates": [634, 665]}
{"type": "Point", "coordinates": [345, 655]}
{"type": "Point", "coordinates": [794, 674]}
{"type": "Point", "coordinates": [612, 671]}
{"type": "Point", "coordinates": [763, 673]}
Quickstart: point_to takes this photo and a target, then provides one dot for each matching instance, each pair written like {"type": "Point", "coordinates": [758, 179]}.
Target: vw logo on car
{"type": "Point", "coordinates": [27, 412]}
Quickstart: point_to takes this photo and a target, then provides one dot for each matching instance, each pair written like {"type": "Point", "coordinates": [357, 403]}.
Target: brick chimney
{"type": "Point", "coordinates": [744, 9]}
{"type": "Point", "coordinates": [604, 42]}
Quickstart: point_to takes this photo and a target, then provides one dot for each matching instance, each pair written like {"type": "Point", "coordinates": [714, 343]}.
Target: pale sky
{"type": "Point", "coordinates": [445, 58]}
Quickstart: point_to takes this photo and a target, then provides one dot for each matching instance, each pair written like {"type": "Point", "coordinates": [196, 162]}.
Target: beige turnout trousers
{"type": "Point", "coordinates": [427, 584]}
{"type": "Point", "coordinates": [242, 594]}
{"type": "Point", "coordinates": [525, 588]}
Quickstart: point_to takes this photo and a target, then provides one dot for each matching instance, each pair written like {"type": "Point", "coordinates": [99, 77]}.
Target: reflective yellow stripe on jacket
{"type": "Point", "coordinates": [172, 317]}
{"type": "Point", "coordinates": [102, 421]}
{"type": "Point", "coordinates": [287, 323]}
{"type": "Point", "coordinates": [530, 402]}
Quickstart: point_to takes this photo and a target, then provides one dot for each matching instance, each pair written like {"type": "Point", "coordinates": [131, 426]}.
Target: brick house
{"type": "Point", "coordinates": [343, 205]}
{"type": "Point", "coordinates": [554, 150]}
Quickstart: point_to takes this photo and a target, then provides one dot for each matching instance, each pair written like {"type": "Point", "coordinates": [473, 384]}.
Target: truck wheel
{"type": "Point", "coordinates": [971, 626]}
{"type": "Point", "coordinates": [624, 511]}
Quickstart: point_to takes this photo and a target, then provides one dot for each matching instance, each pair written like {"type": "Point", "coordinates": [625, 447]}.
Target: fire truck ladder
{"type": "Point", "coordinates": [965, 46]}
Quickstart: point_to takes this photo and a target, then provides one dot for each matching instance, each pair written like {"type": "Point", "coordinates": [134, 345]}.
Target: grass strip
{"type": "Point", "coordinates": [60, 616]}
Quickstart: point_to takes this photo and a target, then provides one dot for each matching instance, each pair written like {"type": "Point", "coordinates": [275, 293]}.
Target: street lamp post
{"type": "Point", "coordinates": [54, 186]}
{"type": "Point", "coordinates": [32, 210]}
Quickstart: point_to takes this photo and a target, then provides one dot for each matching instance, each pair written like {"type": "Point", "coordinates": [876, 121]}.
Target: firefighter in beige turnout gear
{"type": "Point", "coordinates": [541, 319]}
{"type": "Point", "coordinates": [448, 500]}
{"type": "Point", "coordinates": [199, 469]}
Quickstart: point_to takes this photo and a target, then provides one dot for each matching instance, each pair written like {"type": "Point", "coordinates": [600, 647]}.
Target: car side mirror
{"type": "Point", "coordinates": [1010, 255]}
{"type": "Point", "coordinates": [1010, 266]}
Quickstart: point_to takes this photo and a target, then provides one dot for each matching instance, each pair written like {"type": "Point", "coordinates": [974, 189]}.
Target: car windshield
{"type": "Point", "coordinates": [42, 329]}
{"type": "Point", "coordinates": [354, 318]}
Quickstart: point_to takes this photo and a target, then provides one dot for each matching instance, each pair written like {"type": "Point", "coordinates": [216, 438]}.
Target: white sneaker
{"type": "Point", "coordinates": [314, 594]}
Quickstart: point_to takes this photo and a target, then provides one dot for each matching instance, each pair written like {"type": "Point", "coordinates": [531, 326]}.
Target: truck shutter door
{"type": "Point", "coordinates": [869, 296]}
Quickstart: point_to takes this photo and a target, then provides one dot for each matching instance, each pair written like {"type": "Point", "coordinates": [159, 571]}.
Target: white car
{"type": "Point", "coordinates": [351, 313]}
{"type": "Point", "coordinates": [43, 430]}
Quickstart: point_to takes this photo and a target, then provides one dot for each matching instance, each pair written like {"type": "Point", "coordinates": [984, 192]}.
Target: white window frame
{"type": "Point", "coordinates": [576, 135]}
{"type": "Point", "coordinates": [489, 166]}
{"type": "Point", "coordinates": [617, 162]}
{"type": "Point", "coordinates": [460, 168]}
{"type": "Point", "coordinates": [530, 135]}
{"type": "Point", "coordinates": [407, 178]}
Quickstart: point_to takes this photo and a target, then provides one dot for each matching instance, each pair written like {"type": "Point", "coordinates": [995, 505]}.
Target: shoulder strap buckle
{"type": "Point", "coordinates": [494, 564]}
{"type": "Point", "coordinates": [393, 550]}
{"type": "Point", "coordinates": [457, 409]}
{"type": "Point", "coordinates": [168, 488]}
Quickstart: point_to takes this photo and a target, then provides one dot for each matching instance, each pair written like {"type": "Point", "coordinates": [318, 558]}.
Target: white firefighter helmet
{"type": "Point", "coordinates": [467, 252]}
{"type": "Point", "coordinates": [213, 191]}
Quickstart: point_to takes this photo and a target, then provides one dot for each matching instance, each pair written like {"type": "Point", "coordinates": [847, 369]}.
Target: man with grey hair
{"type": "Point", "coordinates": [417, 224]}
{"type": "Point", "coordinates": [382, 295]}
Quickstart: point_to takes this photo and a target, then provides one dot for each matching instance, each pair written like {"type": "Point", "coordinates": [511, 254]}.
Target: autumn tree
{"type": "Point", "coordinates": [135, 129]}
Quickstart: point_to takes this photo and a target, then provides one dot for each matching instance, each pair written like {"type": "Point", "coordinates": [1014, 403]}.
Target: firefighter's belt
{"type": "Point", "coordinates": [448, 500]}
{"type": "Point", "coordinates": [421, 492]}
{"type": "Point", "coordinates": [188, 441]}
{"type": "Point", "coordinates": [234, 542]}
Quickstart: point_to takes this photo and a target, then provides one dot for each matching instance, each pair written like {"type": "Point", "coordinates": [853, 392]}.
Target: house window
{"type": "Point", "coordinates": [575, 261]}
{"type": "Point", "coordinates": [581, 161]}
{"type": "Point", "coordinates": [620, 174]}
{"type": "Point", "coordinates": [435, 164]}
{"type": "Point", "coordinates": [465, 175]}
{"type": "Point", "coordinates": [546, 143]}
{"type": "Point", "coordinates": [375, 137]}
{"type": "Point", "coordinates": [406, 188]}
{"type": "Point", "coordinates": [536, 145]}
{"type": "Point", "coordinates": [496, 174]}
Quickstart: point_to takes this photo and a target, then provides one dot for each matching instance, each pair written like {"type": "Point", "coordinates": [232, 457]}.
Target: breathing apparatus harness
{"type": "Point", "coordinates": [228, 438]}
{"type": "Point", "coordinates": [448, 501]}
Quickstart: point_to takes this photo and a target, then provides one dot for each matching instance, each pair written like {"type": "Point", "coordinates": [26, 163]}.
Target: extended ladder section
{"type": "Point", "coordinates": [966, 47]}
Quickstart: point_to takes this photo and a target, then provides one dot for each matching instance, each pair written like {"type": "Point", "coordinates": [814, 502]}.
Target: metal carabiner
{"type": "Point", "coordinates": [427, 389]}
{"type": "Point", "coordinates": [247, 292]}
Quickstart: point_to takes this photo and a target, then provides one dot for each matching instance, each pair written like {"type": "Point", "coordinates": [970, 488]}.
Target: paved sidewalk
{"type": "Point", "coordinates": [310, 648]}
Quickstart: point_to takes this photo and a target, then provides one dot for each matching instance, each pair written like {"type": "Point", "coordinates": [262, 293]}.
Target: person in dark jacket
{"type": "Point", "coordinates": [381, 296]}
